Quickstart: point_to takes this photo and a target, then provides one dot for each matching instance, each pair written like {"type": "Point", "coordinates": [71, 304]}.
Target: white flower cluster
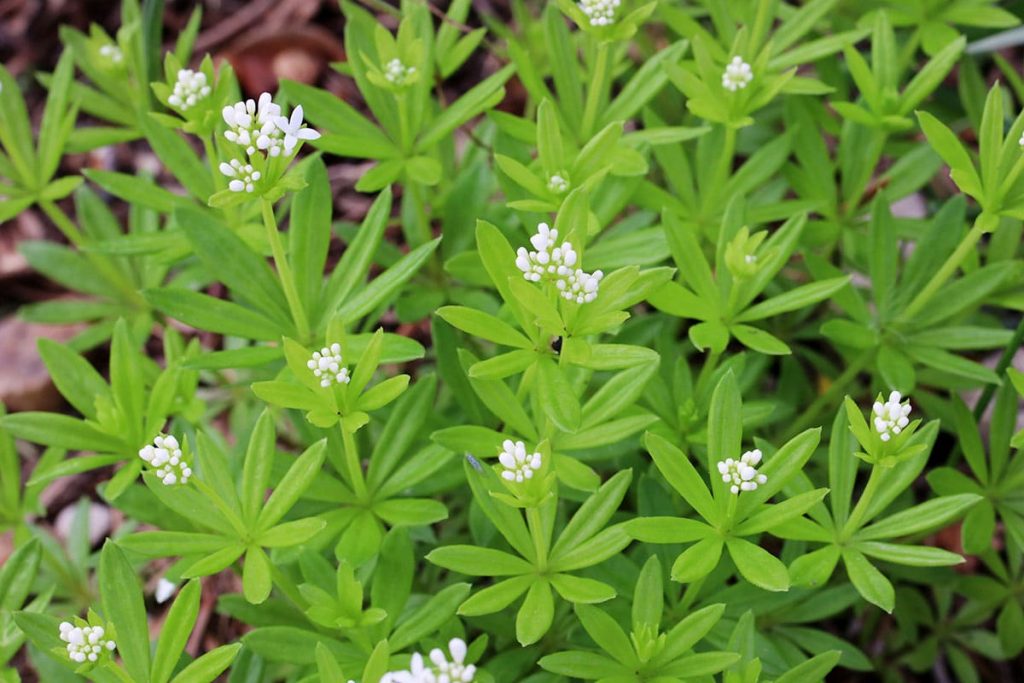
{"type": "Point", "coordinates": [737, 75]}
{"type": "Point", "coordinates": [326, 365]}
{"type": "Point", "coordinates": [85, 643]}
{"type": "Point", "coordinates": [742, 473]}
{"type": "Point", "coordinates": [519, 465]}
{"type": "Point", "coordinates": [580, 287]}
{"type": "Point", "coordinates": [112, 52]}
{"type": "Point", "coordinates": [251, 125]}
{"type": "Point", "coordinates": [190, 87]}
{"type": "Point", "coordinates": [397, 73]}
{"type": "Point", "coordinates": [259, 127]}
{"type": "Point", "coordinates": [557, 263]}
{"type": "Point", "coordinates": [440, 669]}
{"type": "Point", "coordinates": [243, 177]}
{"type": "Point", "coordinates": [164, 454]}
{"type": "Point", "coordinates": [600, 12]}
{"type": "Point", "coordinates": [891, 417]}
{"type": "Point", "coordinates": [558, 184]}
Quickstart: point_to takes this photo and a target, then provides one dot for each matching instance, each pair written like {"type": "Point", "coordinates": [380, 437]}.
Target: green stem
{"type": "Point", "coordinates": [540, 545]}
{"type": "Point", "coordinates": [355, 469]}
{"type": "Point", "coordinates": [826, 398]}
{"type": "Point", "coordinates": [860, 510]}
{"type": "Point", "coordinates": [598, 85]}
{"type": "Point", "coordinates": [723, 169]}
{"type": "Point", "coordinates": [284, 272]}
{"type": "Point", "coordinates": [946, 270]}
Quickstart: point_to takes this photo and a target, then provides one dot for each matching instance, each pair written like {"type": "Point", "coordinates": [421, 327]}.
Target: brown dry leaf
{"type": "Point", "coordinates": [24, 381]}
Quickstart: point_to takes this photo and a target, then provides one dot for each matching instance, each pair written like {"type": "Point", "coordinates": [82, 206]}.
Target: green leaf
{"type": "Point", "coordinates": [759, 340]}
{"type": "Point", "coordinates": [920, 518]}
{"type": "Point", "coordinates": [257, 466]}
{"type": "Point", "coordinates": [536, 613]}
{"type": "Point", "coordinates": [474, 561]}
{"type": "Point", "coordinates": [581, 591]}
{"type": "Point", "coordinates": [557, 397]}
{"type": "Point", "coordinates": [593, 514]}
{"type": "Point", "coordinates": [294, 483]}
{"type": "Point", "coordinates": [174, 634]}
{"type": "Point", "coordinates": [384, 286]}
{"type": "Point", "coordinates": [208, 667]}
{"type": "Point", "coordinates": [256, 581]}
{"type": "Point", "coordinates": [794, 299]}
{"type": "Point", "coordinates": [758, 566]}
{"type": "Point", "coordinates": [869, 582]}
{"type": "Point", "coordinates": [910, 555]}
{"type": "Point", "coordinates": [477, 99]}
{"type": "Point", "coordinates": [680, 473]}
{"type": "Point", "coordinates": [480, 324]}
{"type": "Point", "coordinates": [725, 424]}
{"type": "Point", "coordinates": [123, 607]}
{"type": "Point", "coordinates": [212, 314]}
{"type": "Point", "coordinates": [496, 597]}
{"type": "Point", "coordinates": [698, 560]}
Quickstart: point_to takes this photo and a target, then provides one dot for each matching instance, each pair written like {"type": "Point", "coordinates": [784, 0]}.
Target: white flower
{"type": "Point", "coordinates": [397, 73]}
{"type": "Point", "coordinates": [252, 125]}
{"type": "Point", "coordinates": [558, 184]}
{"type": "Point", "coordinates": [440, 669]}
{"type": "Point", "coordinates": [326, 365]}
{"type": "Point", "coordinates": [890, 418]}
{"type": "Point", "coordinates": [579, 286]}
{"type": "Point", "coordinates": [164, 454]}
{"type": "Point", "coordinates": [190, 87]}
{"type": "Point", "coordinates": [293, 130]}
{"type": "Point", "coordinates": [112, 52]}
{"type": "Point", "coordinates": [737, 75]}
{"type": "Point", "coordinates": [243, 176]}
{"type": "Point", "coordinates": [742, 473]}
{"type": "Point", "coordinates": [600, 12]}
{"type": "Point", "coordinates": [1021, 141]}
{"type": "Point", "coordinates": [85, 643]}
{"type": "Point", "coordinates": [519, 465]}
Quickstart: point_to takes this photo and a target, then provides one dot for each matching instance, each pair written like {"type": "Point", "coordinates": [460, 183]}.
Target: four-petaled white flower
{"type": "Point", "coordinates": [190, 87]}
{"type": "Point", "coordinates": [737, 75]}
{"type": "Point", "coordinates": [600, 12]}
{"type": "Point", "coordinates": [397, 73]}
{"type": "Point", "coordinates": [558, 184]}
{"type": "Point", "coordinates": [112, 52]}
{"type": "Point", "coordinates": [85, 643]}
{"type": "Point", "coordinates": [742, 473]}
{"type": "Point", "coordinates": [517, 463]}
{"type": "Point", "coordinates": [164, 454]}
{"type": "Point", "coordinates": [252, 125]}
{"type": "Point", "coordinates": [293, 130]}
{"type": "Point", "coordinates": [890, 418]}
{"type": "Point", "coordinates": [326, 365]}
{"type": "Point", "coordinates": [243, 176]}
{"type": "Point", "coordinates": [441, 669]}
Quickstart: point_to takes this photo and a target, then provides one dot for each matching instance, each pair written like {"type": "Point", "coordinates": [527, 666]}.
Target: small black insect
{"type": "Point", "coordinates": [556, 344]}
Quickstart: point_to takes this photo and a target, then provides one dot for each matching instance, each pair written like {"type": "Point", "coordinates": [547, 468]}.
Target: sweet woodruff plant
{"type": "Point", "coordinates": [632, 371]}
